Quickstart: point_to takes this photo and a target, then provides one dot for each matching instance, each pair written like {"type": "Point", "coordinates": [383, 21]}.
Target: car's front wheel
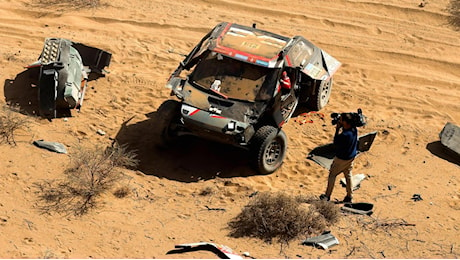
{"type": "Point", "coordinates": [269, 149]}
{"type": "Point", "coordinates": [168, 115]}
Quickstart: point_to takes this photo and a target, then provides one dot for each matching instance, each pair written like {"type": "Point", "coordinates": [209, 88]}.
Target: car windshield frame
{"type": "Point", "coordinates": [232, 78]}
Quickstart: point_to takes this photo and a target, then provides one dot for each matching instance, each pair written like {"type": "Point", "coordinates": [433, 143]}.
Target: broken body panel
{"type": "Point", "coordinates": [64, 70]}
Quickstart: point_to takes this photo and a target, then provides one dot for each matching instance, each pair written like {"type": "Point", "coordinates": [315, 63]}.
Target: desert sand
{"type": "Point", "coordinates": [401, 65]}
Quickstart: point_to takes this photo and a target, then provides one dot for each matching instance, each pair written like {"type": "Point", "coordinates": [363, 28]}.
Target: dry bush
{"type": "Point", "coordinates": [10, 122]}
{"type": "Point", "coordinates": [454, 10]}
{"type": "Point", "coordinates": [279, 216]}
{"type": "Point", "coordinates": [374, 224]}
{"type": "Point", "coordinates": [207, 191]}
{"type": "Point", "coordinates": [74, 4]}
{"type": "Point", "coordinates": [122, 192]}
{"type": "Point", "coordinates": [92, 172]}
{"type": "Point", "coordinates": [328, 210]}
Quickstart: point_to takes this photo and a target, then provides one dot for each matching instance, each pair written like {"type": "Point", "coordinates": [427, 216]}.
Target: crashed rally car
{"type": "Point", "coordinates": [64, 70]}
{"type": "Point", "coordinates": [239, 85]}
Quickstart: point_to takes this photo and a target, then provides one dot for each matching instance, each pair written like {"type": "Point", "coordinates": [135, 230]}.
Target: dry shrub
{"type": "Point", "coordinates": [328, 210]}
{"type": "Point", "coordinates": [73, 4]}
{"type": "Point", "coordinates": [122, 192]}
{"type": "Point", "coordinates": [92, 172]}
{"type": "Point", "coordinates": [10, 122]}
{"type": "Point", "coordinates": [206, 191]}
{"type": "Point", "coordinates": [280, 216]}
{"type": "Point", "coordinates": [454, 10]}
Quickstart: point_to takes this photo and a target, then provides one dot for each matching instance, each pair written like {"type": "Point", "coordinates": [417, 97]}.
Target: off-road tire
{"type": "Point", "coordinates": [168, 115]}
{"type": "Point", "coordinates": [268, 147]}
{"type": "Point", "coordinates": [321, 95]}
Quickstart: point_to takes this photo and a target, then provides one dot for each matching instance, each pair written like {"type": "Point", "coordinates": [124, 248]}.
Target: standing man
{"type": "Point", "coordinates": [346, 147]}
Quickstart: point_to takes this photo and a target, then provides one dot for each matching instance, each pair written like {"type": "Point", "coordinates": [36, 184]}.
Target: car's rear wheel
{"type": "Point", "coordinates": [321, 95]}
{"type": "Point", "coordinates": [269, 149]}
{"type": "Point", "coordinates": [168, 116]}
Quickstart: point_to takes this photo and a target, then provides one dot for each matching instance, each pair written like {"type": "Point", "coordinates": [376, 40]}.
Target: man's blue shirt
{"type": "Point", "coordinates": [346, 144]}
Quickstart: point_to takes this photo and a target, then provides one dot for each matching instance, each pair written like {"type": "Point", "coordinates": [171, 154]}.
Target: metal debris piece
{"type": "Point", "coordinates": [325, 240]}
{"type": "Point", "coordinates": [222, 209]}
{"type": "Point", "coordinates": [100, 132]}
{"type": "Point", "coordinates": [361, 208]}
{"type": "Point", "coordinates": [450, 137]}
{"type": "Point", "coordinates": [355, 180]}
{"type": "Point", "coordinates": [416, 197]}
{"type": "Point", "coordinates": [52, 146]}
{"type": "Point", "coordinates": [65, 68]}
{"type": "Point", "coordinates": [324, 154]}
{"type": "Point", "coordinates": [224, 252]}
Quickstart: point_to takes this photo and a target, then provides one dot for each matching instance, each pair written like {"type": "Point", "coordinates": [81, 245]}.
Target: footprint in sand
{"type": "Point", "coordinates": [375, 30]}
{"type": "Point", "coordinates": [3, 220]}
{"type": "Point", "coordinates": [328, 22]}
{"type": "Point", "coordinates": [28, 240]}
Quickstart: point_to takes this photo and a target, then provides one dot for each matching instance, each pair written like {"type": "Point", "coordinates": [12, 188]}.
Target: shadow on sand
{"type": "Point", "coordinates": [22, 91]}
{"type": "Point", "coordinates": [190, 160]}
{"type": "Point", "coordinates": [443, 152]}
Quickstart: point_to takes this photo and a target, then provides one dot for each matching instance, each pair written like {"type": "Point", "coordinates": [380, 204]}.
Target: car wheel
{"type": "Point", "coordinates": [168, 115]}
{"type": "Point", "coordinates": [321, 96]}
{"type": "Point", "coordinates": [269, 149]}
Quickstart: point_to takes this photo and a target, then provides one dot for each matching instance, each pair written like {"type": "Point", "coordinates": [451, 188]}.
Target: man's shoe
{"type": "Point", "coordinates": [324, 197]}
{"type": "Point", "coordinates": [347, 199]}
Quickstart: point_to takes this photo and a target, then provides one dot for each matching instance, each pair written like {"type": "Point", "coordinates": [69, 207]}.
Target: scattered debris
{"type": "Point", "coordinates": [52, 146]}
{"type": "Point", "coordinates": [306, 117]}
{"type": "Point", "coordinates": [450, 137]}
{"type": "Point", "coordinates": [246, 254]}
{"type": "Point", "coordinates": [324, 154]}
{"type": "Point", "coordinates": [65, 67]}
{"type": "Point", "coordinates": [416, 197]}
{"type": "Point", "coordinates": [325, 240]}
{"type": "Point", "coordinates": [224, 252]}
{"type": "Point", "coordinates": [361, 208]}
{"type": "Point", "coordinates": [355, 180]}
{"type": "Point", "coordinates": [222, 209]}
{"type": "Point", "coordinates": [253, 194]}
{"type": "Point", "coordinates": [100, 132]}
{"type": "Point", "coordinates": [171, 50]}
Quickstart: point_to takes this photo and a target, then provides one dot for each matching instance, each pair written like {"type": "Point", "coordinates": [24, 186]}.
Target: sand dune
{"type": "Point", "coordinates": [400, 65]}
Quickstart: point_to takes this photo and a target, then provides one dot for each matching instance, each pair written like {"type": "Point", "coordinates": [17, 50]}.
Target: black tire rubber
{"type": "Point", "coordinates": [168, 115]}
{"type": "Point", "coordinates": [268, 147]}
{"type": "Point", "coordinates": [321, 95]}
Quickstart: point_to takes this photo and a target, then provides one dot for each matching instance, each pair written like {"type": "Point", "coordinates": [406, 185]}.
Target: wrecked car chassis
{"type": "Point", "coordinates": [229, 90]}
